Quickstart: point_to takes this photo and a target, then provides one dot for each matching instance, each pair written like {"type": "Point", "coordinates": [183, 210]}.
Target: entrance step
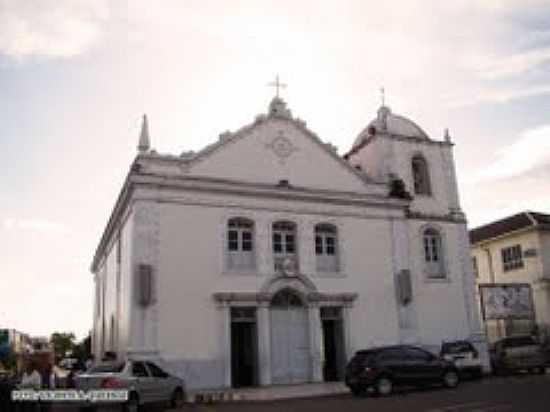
{"type": "Point", "coordinates": [268, 393]}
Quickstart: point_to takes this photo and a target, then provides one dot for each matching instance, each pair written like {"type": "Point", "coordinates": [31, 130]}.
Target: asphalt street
{"type": "Point", "coordinates": [523, 393]}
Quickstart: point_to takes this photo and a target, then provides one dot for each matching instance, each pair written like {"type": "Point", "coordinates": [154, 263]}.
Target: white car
{"type": "Point", "coordinates": [145, 381]}
{"type": "Point", "coordinates": [465, 357]}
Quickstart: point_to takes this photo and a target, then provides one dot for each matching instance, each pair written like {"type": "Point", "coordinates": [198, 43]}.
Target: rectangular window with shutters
{"type": "Point", "coordinates": [512, 258]}
{"type": "Point", "coordinates": [326, 248]}
{"type": "Point", "coordinates": [239, 254]}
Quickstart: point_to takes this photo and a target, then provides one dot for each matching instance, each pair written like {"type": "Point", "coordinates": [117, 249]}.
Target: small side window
{"type": "Point", "coordinates": [139, 370]}
{"type": "Point", "coordinates": [156, 371]}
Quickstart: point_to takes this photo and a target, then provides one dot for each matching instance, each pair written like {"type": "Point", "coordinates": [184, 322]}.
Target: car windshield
{"type": "Point", "coordinates": [107, 367]}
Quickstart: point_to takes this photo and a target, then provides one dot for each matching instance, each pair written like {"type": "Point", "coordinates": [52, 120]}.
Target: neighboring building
{"type": "Point", "coordinates": [515, 250]}
{"type": "Point", "coordinates": [17, 341]}
{"type": "Point", "coordinates": [267, 258]}
{"type": "Point", "coordinates": [25, 348]}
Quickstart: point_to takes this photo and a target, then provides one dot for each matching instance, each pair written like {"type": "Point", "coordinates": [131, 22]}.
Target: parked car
{"type": "Point", "coordinates": [515, 353]}
{"type": "Point", "coordinates": [465, 357]}
{"type": "Point", "coordinates": [146, 382]}
{"type": "Point", "coordinates": [380, 369]}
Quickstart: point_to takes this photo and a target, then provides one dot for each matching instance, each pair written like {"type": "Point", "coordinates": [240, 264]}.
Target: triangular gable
{"type": "Point", "coordinates": [276, 148]}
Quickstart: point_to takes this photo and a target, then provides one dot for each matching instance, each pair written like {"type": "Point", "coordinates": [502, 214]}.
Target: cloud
{"type": "Point", "coordinates": [60, 28]}
{"type": "Point", "coordinates": [35, 225]}
{"type": "Point", "coordinates": [496, 67]}
{"type": "Point", "coordinates": [528, 154]}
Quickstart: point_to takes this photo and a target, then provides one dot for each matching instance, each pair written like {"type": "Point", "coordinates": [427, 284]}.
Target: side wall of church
{"type": "Point", "coordinates": [112, 306]}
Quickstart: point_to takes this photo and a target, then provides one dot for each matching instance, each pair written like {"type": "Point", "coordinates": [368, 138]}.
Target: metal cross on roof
{"type": "Point", "coordinates": [383, 95]}
{"type": "Point", "coordinates": [277, 84]}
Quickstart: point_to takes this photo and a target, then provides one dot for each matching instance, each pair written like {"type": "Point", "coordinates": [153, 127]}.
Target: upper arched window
{"type": "Point", "coordinates": [433, 253]}
{"type": "Point", "coordinates": [240, 243]}
{"type": "Point", "coordinates": [326, 247]}
{"type": "Point", "coordinates": [421, 176]}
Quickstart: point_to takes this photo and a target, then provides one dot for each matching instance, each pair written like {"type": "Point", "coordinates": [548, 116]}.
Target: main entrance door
{"type": "Point", "coordinates": [289, 339]}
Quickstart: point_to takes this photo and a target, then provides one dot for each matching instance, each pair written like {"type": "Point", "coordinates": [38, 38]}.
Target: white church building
{"type": "Point", "coordinates": [267, 258]}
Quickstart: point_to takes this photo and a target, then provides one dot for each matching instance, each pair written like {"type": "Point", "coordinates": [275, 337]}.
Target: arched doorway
{"type": "Point", "coordinates": [289, 338]}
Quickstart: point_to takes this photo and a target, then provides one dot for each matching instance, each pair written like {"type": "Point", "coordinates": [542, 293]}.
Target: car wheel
{"type": "Point", "coordinates": [358, 390]}
{"type": "Point", "coordinates": [178, 399]}
{"type": "Point", "coordinates": [450, 379]}
{"type": "Point", "coordinates": [132, 404]}
{"type": "Point", "coordinates": [384, 386]}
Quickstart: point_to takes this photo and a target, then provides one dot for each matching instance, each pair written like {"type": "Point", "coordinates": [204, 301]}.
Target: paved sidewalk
{"type": "Point", "coordinates": [268, 393]}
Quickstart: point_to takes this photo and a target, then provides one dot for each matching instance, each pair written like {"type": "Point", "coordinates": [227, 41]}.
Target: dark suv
{"type": "Point", "coordinates": [380, 369]}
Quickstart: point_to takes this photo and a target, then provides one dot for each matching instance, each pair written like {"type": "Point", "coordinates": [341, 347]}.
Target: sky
{"type": "Point", "coordinates": [77, 75]}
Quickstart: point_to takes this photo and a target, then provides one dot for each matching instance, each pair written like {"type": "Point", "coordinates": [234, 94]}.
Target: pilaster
{"type": "Point", "coordinates": [315, 343]}
{"type": "Point", "coordinates": [264, 343]}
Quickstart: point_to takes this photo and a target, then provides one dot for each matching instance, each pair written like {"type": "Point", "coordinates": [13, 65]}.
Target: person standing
{"type": "Point", "coordinates": [31, 379]}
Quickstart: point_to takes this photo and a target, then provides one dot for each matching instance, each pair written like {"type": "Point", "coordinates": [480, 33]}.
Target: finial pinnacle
{"type": "Point", "coordinates": [446, 135]}
{"type": "Point", "coordinates": [144, 140]}
{"type": "Point", "coordinates": [383, 95]}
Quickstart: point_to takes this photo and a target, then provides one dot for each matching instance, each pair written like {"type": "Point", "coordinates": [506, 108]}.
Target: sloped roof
{"type": "Point", "coordinates": [509, 224]}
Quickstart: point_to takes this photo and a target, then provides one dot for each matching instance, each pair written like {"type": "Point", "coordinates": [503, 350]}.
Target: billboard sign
{"type": "Point", "coordinates": [507, 301]}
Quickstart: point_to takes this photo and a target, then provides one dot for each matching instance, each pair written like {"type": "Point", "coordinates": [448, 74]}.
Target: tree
{"type": "Point", "coordinates": [83, 349]}
{"type": "Point", "coordinates": [62, 343]}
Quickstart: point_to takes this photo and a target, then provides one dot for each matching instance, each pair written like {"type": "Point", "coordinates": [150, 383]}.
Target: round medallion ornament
{"type": "Point", "coordinates": [282, 147]}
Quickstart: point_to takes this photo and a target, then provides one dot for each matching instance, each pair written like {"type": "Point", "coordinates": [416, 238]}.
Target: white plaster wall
{"type": "Point", "coordinates": [386, 154]}
{"type": "Point", "coordinates": [125, 287]}
{"type": "Point", "coordinates": [372, 159]}
{"type": "Point", "coordinates": [440, 304]}
{"type": "Point", "coordinates": [107, 274]}
{"type": "Point", "coordinates": [251, 159]}
{"type": "Point", "coordinates": [192, 241]}
{"type": "Point", "coordinates": [439, 201]}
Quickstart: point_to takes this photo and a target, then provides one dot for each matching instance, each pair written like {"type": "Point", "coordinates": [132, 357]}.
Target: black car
{"type": "Point", "coordinates": [380, 369]}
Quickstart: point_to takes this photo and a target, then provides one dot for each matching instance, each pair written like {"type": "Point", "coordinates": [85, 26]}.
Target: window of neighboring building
{"type": "Point", "coordinates": [284, 242]}
{"type": "Point", "coordinates": [512, 258]}
{"type": "Point", "coordinates": [433, 254]}
{"type": "Point", "coordinates": [474, 265]}
{"type": "Point", "coordinates": [421, 176]}
{"type": "Point", "coordinates": [326, 247]}
{"type": "Point", "coordinates": [240, 244]}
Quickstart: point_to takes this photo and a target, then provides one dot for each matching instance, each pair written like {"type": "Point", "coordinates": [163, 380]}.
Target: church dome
{"type": "Point", "coordinates": [393, 124]}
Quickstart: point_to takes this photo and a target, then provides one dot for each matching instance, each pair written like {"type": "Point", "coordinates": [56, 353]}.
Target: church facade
{"type": "Point", "coordinates": [267, 258]}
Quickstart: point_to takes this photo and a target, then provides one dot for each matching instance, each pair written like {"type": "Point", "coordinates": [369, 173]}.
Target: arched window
{"type": "Point", "coordinates": [421, 176]}
{"type": "Point", "coordinates": [433, 253]}
{"type": "Point", "coordinates": [240, 243]}
{"type": "Point", "coordinates": [284, 243]}
{"type": "Point", "coordinates": [326, 247]}
{"type": "Point", "coordinates": [286, 298]}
